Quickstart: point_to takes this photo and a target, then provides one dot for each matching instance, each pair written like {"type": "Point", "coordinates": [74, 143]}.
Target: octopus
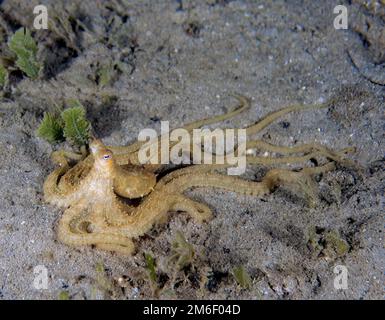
{"type": "Point", "coordinates": [110, 199]}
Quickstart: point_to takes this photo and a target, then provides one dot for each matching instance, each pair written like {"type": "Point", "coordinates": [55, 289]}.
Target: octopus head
{"type": "Point", "coordinates": [104, 160]}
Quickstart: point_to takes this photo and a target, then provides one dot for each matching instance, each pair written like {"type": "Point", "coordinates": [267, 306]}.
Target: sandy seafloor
{"type": "Point", "coordinates": [180, 61]}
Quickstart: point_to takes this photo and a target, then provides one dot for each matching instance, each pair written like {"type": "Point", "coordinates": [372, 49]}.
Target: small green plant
{"type": "Point", "coordinates": [76, 127]}
{"type": "Point", "coordinates": [101, 278]}
{"type": "Point", "coordinates": [70, 124]}
{"type": "Point", "coordinates": [104, 284]}
{"type": "Point", "coordinates": [64, 295]}
{"type": "Point", "coordinates": [51, 128]}
{"type": "Point", "coordinates": [150, 266]}
{"type": "Point", "coordinates": [25, 49]}
{"type": "Point", "coordinates": [3, 77]}
{"type": "Point", "coordinates": [336, 244]}
{"type": "Point", "coordinates": [182, 256]}
{"type": "Point", "coordinates": [152, 274]}
{"type": "Point", "coordinates": [327, 243]}
{"type": "Point", "coordinates": [183, 252]}
{"type": "Point", "coordinates": [105, 74]}
{"type": "Point", "coordinates": [242, 277]}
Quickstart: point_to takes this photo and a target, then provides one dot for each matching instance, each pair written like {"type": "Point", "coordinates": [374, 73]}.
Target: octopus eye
{"type": "Point", "coordinates": [106, 157]}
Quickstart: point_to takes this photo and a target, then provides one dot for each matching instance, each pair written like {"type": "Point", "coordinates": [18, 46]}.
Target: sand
{"type": "Point", "coordinates": [180, 61]}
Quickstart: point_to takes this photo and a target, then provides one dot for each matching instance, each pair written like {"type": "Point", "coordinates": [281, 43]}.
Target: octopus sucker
{"type": "Point", "coordinates": [94, 192]}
